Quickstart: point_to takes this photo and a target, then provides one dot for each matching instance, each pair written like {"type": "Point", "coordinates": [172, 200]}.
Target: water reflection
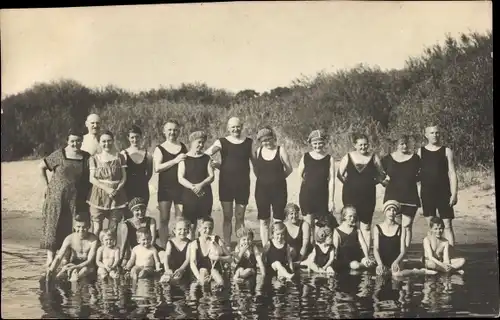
{"type": "Point", "coordinates": [355, 295]}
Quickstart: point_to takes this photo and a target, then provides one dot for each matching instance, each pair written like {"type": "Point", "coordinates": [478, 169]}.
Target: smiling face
{"type": "Point", "coordinates": [134, 139]}
{"type": "Point", "coordinates": [318, 146]}
{"type": "Point", "coordinates": [74, 142]}
{"type": "Point", "coordinates": [93, 124]}
{"type": "Point", "coordinates": [144, 240]}
{"type": "Point", "coordinates": [81, 228]}
{"type": "Point", "coordinates": [181, 230]}
{"type": "Point", "coordinates": [361, 145]}
{"type": "Point", "coordinates": [245, 241]}
{"type": "Point", "coordinates": [234, 126]}
{"type": "Point", "coordinates": [402, 146]}
{"type": "Point", "coordinates": [433, 135]}
{"type": "Point", "coordinates": [108, 241]}
{"type": "Point", "coordinates": [106, 141]}
{"type": "Point", "coordinates": [293, 216]}
{"type": "Point", "coordinates": [139, 211]}
{"type": "Point", "coordinates": [437, 230]}
{"type": "Point", "coordinates": [206, 228]}
{"type": "Point", "coordinates": [268, 143]}
{"type": "Point", "coordinates": [350, 217]}
{"type": "Point", "coordinates": [171, 131]}
{"type": "Point", "coordinates": [279, 235]}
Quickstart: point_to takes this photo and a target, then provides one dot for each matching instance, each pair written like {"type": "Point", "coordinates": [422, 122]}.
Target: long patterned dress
{"type": "Point", "coordinates": [65, 196]}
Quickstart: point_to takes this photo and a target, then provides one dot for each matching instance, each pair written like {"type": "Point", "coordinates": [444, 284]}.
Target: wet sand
{"type": "Point", "coordinates": [22, 198]}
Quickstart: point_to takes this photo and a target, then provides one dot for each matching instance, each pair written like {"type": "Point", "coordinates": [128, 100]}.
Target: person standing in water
{"type": "Point", "coordinates": [439, 185]}
{"type": "Point", "coordinates": [360, 171]}
{"type": "Point", "coordinates": [234, 179]}
{"type": "Point", "coordinates": [90, 142]}
{"type": "Point", "coordinates": [317, 173]}
{"type": "Point", "coordinates": [139, 167]}
{"type": "Point", "coordinates": [402, 168]}
{"type": "Point", "coordinates": [271, 167]}
{"type": "Point", "coordinates": [166, 158]}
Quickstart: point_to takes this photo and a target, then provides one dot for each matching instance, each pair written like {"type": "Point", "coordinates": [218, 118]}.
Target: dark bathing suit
{"type": "Point", "coordinates": [402, 186]}
{"type": "Point", "coordinates": [274, 254]}
{"type": "Point", "coordinates": [195, 207]}
{"type": "Point", "coordinates": [359, 189]}
{"type": "Point", "coordinates": [313, 196]}
{"type": "Point", "coordinates": [177, 257]}
{"type": "Point", "coordinates": [389, 247]}
{"type": "Point", "coordinates": [234, 179]}
{"type": "Point", "coordinates": [435, 190]}
{"type": "Point", "coordinates": [137, 181]}
{"type": "Point", "coordinates": [295, 243]}
{"type": "Point", "coordinates": [270, 187]}
{"type": "Point", "coordinates": [349, 249]}
{"type": "Point", "coordinates": [321, 258]}
{"type": "Point", "coordinates": [169, 188]}
{"type": "Point", "coordinates": [247, 262]}
{"type": "Point", "coordinates": [203, 261]}
{"type": "Point", "coordinates": [132, 236]}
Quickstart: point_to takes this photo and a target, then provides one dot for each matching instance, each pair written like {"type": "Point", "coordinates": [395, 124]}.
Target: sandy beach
{"type": "Point", "coordinates": [22, 198]}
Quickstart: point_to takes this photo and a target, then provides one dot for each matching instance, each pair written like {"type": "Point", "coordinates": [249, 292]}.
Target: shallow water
{"type": "Point", "coordinates": [361, 295]}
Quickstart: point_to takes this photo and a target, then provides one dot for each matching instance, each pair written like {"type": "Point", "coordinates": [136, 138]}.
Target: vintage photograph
{"type": "Point", "coordinates": [239, 160]}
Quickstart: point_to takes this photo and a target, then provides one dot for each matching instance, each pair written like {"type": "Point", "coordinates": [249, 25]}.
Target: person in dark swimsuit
{"type": "Point", "coordinates": [271, 167]}
{"type": "Point", "coordinates": [360, 171]}
{"type": "Point", "coordinates": [196, 174]}
{"type": "Point", "coordinates": [317, 173]}
{"type": "Point", "coordinates": [300, 242]}
{"type": "Point", "coordinates": [322, 255]}
{"type": "Point", "coordinates": [402, 168]}
{"type": "Point", "coordinates": [352, 251]}
{"type": "Point", "coordinates": [128, 228]}
{"type": "Point", "coordinates": [247, 256]}
{"type": "Point", "coordinates": [234, 177]}
{"type": "Point", "coordinates": [207, 253]}
{"type": "Point", "coordinates": [439, 186]}
{"type": "Point", "coordinates": [139, 167]}
{"type": "Point", "coordinates": [166, 158]}
{"type": "Point", "coordinates": [176, 253]}
{"type": "Point", "coordinates": [278, 255]}
{"type": "Point", "coordinates": [389, 244]}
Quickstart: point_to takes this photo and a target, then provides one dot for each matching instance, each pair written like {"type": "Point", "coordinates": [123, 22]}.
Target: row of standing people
{"type": "Point", "coordinates": [114, 178]}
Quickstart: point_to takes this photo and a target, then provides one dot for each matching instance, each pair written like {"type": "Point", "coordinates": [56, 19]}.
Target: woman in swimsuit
{"type": "Point", "coordinates": [297, 233]}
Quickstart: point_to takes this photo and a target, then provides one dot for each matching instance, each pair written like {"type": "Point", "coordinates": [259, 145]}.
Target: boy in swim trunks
{"type": "Point", "coordinates": [83, 246]}
{"type": "Point", "coordinates": [144, 260]}
{"type": "Point", "coordinates": [438, 178]}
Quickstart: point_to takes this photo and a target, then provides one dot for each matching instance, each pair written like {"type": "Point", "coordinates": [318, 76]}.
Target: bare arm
{"type": "Point", "coordinates": [330, 259]}
{"type": "Point", "coordinates": [192, 260]}
{"type": "Point", "coordinates": [60, 254]}
{"type": "Point", "coordinates": [181, 171]}
{"type": "Point", "coordinates": [152, 229]}
{"type": "Point", "coordinates": [286, 162]}
{"type": "Point", "coordinates": [116, 260]}
{"type": "Point", "coordinates": [381, 172]}
{"type": "Point", "coordinates": [168, 250]}
{"type": "Point", "coordinates": [300, 169]}
{"type": "Point", "coordinates": [131, 261]}
{"type": "Point", "coordinates": [210, 177]}
{"type": "Point", "coordinates": [98, 258]}
{"type": "Point", "coordinates": [446, 253]}
{"type": "Point", "coordinates": [90, 255]}
{"type": "Point", "coordinates": [214, 148]}
{"type": "Point", "coordinates": [123, 180]}
{"type": "Point", "coordinates": [376, 247]}
{"type": "Point", "coordinates": [342, 169]}
{"type": "Point", "coordinates": [93, 180]}
{"type": "Point", "coordinates": [260, 262]}
{"type": "Point", "coordinates": [185, 264]}
{"type": "Point", "coordinates": [402, 250]}
{"type": "Point", "coordinates": [43, 172]}
{"type": "Point", "coordinates": [289, 258]}
{"type": "Point", "coordinates": [227, 255]}
{"type": "Point", "coordinates": [149, 168]}
{"type": "Point", "coordinates": [331, 183]}
{"type": "Point", "coordinates": [452, 175]}
{"type": "Point", "coordinates": [310, 259]}
{"type": "Point", "coordinates": [336, 240]}
{"type": "Point", "coordinates": [158, 158]}
{"type": "Point", "coordinates": [430, 254]}
{"type": "Point", "coordinates": [306, 231]}
{"type": "Point", "coordinates": [156, 257]}
{"type": "Point", "coordinates": [362, 241]}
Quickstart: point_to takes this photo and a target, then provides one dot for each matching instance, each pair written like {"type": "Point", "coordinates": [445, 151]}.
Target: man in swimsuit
{"type": "Point", "coordinates": [234, 179]}
{"type": "Point", "coordinates": [438, 178]}
{"type": "Point", "coordinates": [90, 140]}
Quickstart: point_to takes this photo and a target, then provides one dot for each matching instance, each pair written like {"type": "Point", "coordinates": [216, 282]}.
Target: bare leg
{"type": "Point", "coordinates": [264, 231]}
{"type": "Point", "coordinates": [203, 276]}
{"type": "Point", "coordinates": [457, 263]}
{"type": "Point", "coordinates": [366, 232]}
{"type": "Point", "coordinates": [217, 277]}
{"type": "Point", "coordinates": [97, 227]}
{"type": "Point", "coordinates": [448, 231]}
{"type": "Point", "coordinates": [85, 271]}
{"type": "Point", "coordinates": [102, 273]}
{"type": "Point", "coordinates": [145, 273]}
{"type": "Point", "coordinates": [50, 257]}
{"type": "Point", "coordinates": [281, 270]}
{"type": "Point", "coordinates": [407, 223]}
{"type": "Point", "coordinates": [227, 224]}
{"type": "Point", "coordinates": [164, 207]}
{"type": "Point", "coordinates": [178, 210]}
{"type": "Point", "coordinates": [309, 219]}
{"type": "Point", "coordinates": [239, 216]}
{"type": "Point", "coordinates": [134, 272]}
{"type": "Point", "coordinates": [122, 239]}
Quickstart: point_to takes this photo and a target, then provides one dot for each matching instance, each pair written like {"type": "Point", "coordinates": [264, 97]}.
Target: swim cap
{"type": "Point", "coordinates": [392, 203]}
{"type": "Point", "coordinates": [198, 135]}
{"type": "Point", "coordinates": [322, 234]}
{"type": "Point", "coordinates": [136, 202]}
{"type": "Point", "coordinates": [317, 135]}
{"type": "Point", "coordinates": [265, 134]}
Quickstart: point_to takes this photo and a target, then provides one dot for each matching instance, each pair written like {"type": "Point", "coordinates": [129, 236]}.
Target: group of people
{"type": "Point", "coordinates": [93, 181]}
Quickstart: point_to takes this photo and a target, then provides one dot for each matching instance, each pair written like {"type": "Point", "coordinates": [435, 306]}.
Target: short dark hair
{"type": "Point", "coordinates": [436, 220]}
{"type": "Point", "coordinates": [135, 129]}
{"type": "Point", "coordinates": [107, 132]}
{"type": "Point", "coordinates": [358, 136]}
{"type": "Point", "coordinates": [143, 231]}
{"type": "Point", "coordinates": [81, 217]}
{"type": "Point", "coordinates": [207, 219]}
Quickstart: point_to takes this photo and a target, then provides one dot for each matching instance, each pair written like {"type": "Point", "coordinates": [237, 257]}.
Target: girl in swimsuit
{"type": "Point", "coordinates": [299, 243]}
{"type": "Point", "coordinates": [349, 242]}
{"type": "Point", "coordinates": [323, 254]}
{"type": "Point", "coordinates": [278, 255]}
{"type": "Point", "coordinates": [389, 243]}
{"type": "Point", "coordinates": [247, 256]}
{"type": "Point", "coordinates": [176, 253]}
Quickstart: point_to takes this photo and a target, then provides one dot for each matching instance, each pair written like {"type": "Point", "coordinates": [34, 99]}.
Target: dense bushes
{"type": "Point", "coordinates": [450, 84]}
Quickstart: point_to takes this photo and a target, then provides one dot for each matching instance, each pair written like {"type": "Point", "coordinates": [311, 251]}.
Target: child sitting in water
{"type": "Point", "coordinates": [176, 252]}
{"type": "Point", "coordinates": [144, 258]}
{"type": "Point", "coordinates": [108, 256]}
{"type": "Point", "coordinates": [389, 240]}
{"type": "Point", "coordinates": [130, 226]}
{"type": "Point", "coordinates": [436, 250]}
{"type": "Point", "coordinates": [207, 253]}
{"type": "Point", "coordinates": [323, 254]}
{"type": "Point", "coordinates": [82, 245]}
{"type": "Point", "coordinates": [278, 255]}
{"type": "Point", "coordinates": [247, 256]}
{"type": "Point", "coordinates": [352, 251]}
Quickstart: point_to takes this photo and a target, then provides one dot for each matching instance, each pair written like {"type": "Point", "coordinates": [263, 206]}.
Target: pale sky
{"type": "Point", "coordinates": [225, 45]}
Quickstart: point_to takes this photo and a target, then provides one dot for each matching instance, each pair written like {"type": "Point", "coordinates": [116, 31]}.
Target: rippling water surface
{"type": "Point", "coordinates": [361, 295]}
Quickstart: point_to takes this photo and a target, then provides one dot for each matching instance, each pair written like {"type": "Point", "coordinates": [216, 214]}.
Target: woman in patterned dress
{"type": "Point", "coordinates": [66, 192]}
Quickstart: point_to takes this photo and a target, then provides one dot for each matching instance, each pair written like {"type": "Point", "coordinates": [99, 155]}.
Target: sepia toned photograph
{"type": "Point", "coordinates": [249, 160]}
